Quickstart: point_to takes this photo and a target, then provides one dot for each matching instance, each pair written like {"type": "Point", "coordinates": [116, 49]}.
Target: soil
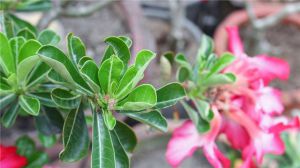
{"type": "Point", "coordinates": [286, 39]}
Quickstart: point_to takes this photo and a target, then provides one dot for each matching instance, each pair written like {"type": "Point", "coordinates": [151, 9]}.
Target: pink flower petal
{"type": "Point", "coordinates": [269, 100]}
{"type": "Point", "coordinates": [215, 157]}
{"type": "Point", "coordinates": [235, 44]}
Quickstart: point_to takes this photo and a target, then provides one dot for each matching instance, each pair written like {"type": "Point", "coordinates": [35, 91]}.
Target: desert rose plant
{"type": "Point", "coordinates": [246, 110]}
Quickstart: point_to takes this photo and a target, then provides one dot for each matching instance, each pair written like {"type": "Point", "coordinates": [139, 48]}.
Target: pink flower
{"type": "Point", "coordinates": [186, 140]}
{"type": "Point", "coordinates": [10, 159]}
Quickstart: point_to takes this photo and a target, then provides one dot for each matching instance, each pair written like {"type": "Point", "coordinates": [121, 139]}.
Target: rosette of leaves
{"type": "Point", "coordinates": [199, 78]}
{"type": "Point", "coordinates": [24, 89]}
{"type": "Point", "coordinates": [25, 5]}
{"type": "Point", "coordinates": [109, 87]}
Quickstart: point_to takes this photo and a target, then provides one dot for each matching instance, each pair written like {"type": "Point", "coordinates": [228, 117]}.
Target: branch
{"type": "Point", "coordinates": [84, 10]}
{"type": "Point", "coordinates": [277, 17]}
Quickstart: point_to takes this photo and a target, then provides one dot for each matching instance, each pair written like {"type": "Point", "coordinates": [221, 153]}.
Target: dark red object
{"type": "Point", "coordinates": [10, 159]}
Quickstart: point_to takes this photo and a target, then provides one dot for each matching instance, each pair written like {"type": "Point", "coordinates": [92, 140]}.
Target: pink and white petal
{"type": "Point", "coordinates": [215, 157]}
{"type": "Point", "coordinates": [279, 127]}
{"type": "Point", "coordinates": [184, 142]}
{"type": "Point", "coordinates": [235, 44]}
{"type": "Point", "coordinates": [271, 67]}
{"type": "Point", "coordinates": [269, 100]}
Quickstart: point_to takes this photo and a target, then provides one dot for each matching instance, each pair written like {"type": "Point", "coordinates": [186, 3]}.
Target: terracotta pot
{"type": "Point", "coordinates": [291, 99]}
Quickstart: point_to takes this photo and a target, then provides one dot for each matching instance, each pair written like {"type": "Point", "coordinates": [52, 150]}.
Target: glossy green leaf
{"type": "Point", "coordinates": [26, 33]}
{"type": "Point", "coordinates": [121, 157]}
{"type": "Point", "coordinates": [30, 48]}
{"type": "Point", "coordinates": [127, 83]}
{"type": "Point", "coordinates": [6, 100]}
{"type": "Point", "coordinates": [9, 116]}
{"type": "Point", "coordinates": [90, 74]}
{"type": "Point", "coordinates": [26, 66]}
{"type": "Point", "coordinates": [75, 136]}
{"type": "Point", "coordinates": [110, 71]}
{"type": "Point", "coordinates": [29, 104]}
{"type": "Point", "coordinates": [219, 79]}
{"type": "Point", "coordinates": [222, 62]}
{"type": "Point", "coordinates": [169, 94]}
{"type": "Point", "coordinates": [103, 154]}
{"type": "Point", "coordinates": [47, 140]}
{"type": "Point", "coordinates": [25, 146]}
{"type": "Point", "coordinates": [7, 60]}
{"type": "Point", "coordinates": [57, 60]}
{"type": "Point", "coordinates": [65, 99]}
{"type": "Point", "coordinates": [48, 37]}
{"type": "Point", "coordinates": [120, 48]}
{"type": "Point", "coordinates": [83, 60]}
{"type": "Point", "coordinates": [142, 97]}
{"type": "Point", "coordinates": [15, 45]}
{"type": "Point", "coordinates": [76, 48]}
{"type": "Point", "coordinates": [153, 118]}
{"type": "Point", "coordinates": [126, 136]}
{"type": "Point", "coordinates": [37, 159]}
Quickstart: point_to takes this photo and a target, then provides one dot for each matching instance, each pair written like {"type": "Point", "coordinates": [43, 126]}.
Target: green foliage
{"type": "Point", "coordinates": [199, 78]}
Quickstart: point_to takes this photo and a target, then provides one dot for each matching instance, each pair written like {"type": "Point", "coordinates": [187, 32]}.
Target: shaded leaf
{"type": "Point", "coordinates": [6, 100]}
{"type": "Point", "coordinates": [29, 104]}
{"type": "Point", "coordinates": [9, 116]}
{"type": "Point", "coordinates": [76, 48]}
{"type": "Point", "coordinates": [48, 37]}
{"type": "Point", "coordinates": [122, 160]}
{"type": "Point", "coordinates": [26, 33]}
{"type": "Point", "coordinates": [126, 136]}
{"type": "Point", "coordinates": [65, 99]}
{"type": "Point", "coordinates": [169, 94]}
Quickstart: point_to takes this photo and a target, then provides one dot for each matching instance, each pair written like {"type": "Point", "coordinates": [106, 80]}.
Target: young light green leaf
{"type": "Point", "coordinates": [203, 109]}
{"type": "Point", "coordinates": [120, 48]}
{"type": "Point", "coordinates": [153, 118]}
{"type": "Point", "coordinates": [181, 60]}
{"type": "Point", "coordinates": [219, 79]}
{"type": "Point", "coordinates": [26, 33]}
{"type": "Point", "coordinates": [30, 105]}
{"type": "Point", "coordinates": [76, 48]}
{"type": "Point", "coordinates": [15, 45]}
{"type": "Point", "coordinates": [30, 48]}
{"type": "Point", "coordinates": [127, 83]}
{"type": "Point", "coordinates": [169, 94]}
{"type": "Point", "coordinates": [57, 60]}
{"type": "Point", "coordinates": [103, 154]}
{"type": "Point", "coordinates": [206, 47]}
{"type": "Point", "coordinates": [65, 99]}
{"type": "Point", "coordinates": [7, 60]}
{"type": "Point", "coordinates": [222, 62]}
{"type": "Point", "coordinates": [48, 37]}
{"type": "Point", "coordinates": [25, 67]}
{"type": "Point", "coordinates": [9, 116]}
{"type": "Point", "coordinates": [110, 71]}
{"type": "Point", "coordinates": [109, 119]}
{"type": "Point", "coordinates": [126, 136]}
{"type": "Point", "coordinates": [142, 97]}
{"type": "Point", "coordinates": [75, 136]}
{"type": "Point", "coordinates": [6, 100]}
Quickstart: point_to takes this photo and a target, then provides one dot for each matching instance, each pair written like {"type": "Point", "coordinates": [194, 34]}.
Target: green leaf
{"type": "Point", "coordinates": [26, 33]}
{"type": "Point", "coordinates": [75, 136]}
{"type": "Point", "coordinates": [201, 125]}
{"type": "Point", "coordinates": [6, 100]}
{"type": "Point", "coordinates": [7, 60]}
{"type": "Point", "coordinates": [222, 62]}
{"type": "Point", "coordinates": [181, 60]}
{"type": "Point", "coordinates": [204, 109]}
{"type": "Point", "coordinates": [103, 154]}
{"type": "Point", "coordinates": [127, 83]}
{"type": "Point", "coordinates": [55, 118]}
{"type": "Point", "coordinates": [20, 24]}
{"type": "Point", "coordinates": [90, 73]}
{"type": "Point", "coordinates": [7, 25]}
{"type": "Point", "coordinates": [46, 140]}
{"type": "Point", "coordinates": [109, 119]}
{"type": "Point", "coordinates": [219, 79]}
{"type": "Point", "coordinates": [183, 74]}
{"type": "Point", "coordinates": [29, 104]}
{"type": "Point", "coordinates": [142, 97]}
{"type": "Point", "coordinates": [30, 48]}
{"type": "Point", "coordinates": [76, 48]}
{"type": "Point", "coordinates": [110, 71]}
{"type": "Point", "coordinates": [169, 94]}
{"type": "Point", "coordinates": [121, 157]}
{"type": "Point", "coordinates": [34, 5]}
{"type": "Point", "coordinates": [57, 60]}
{"type": "Point", "coordinates": [25, 146]}
{"type": "Point", "coordinates": [38, 74]}
{"type": "Point", "coordinates": [65, 99]}
{"type": "Point", "coordinates": [83, 60]}
{"type": "Point", "coordinates": [37, 159]}
{"type": "Point", "coordinates": [143, 59]}
{"type": "Point", "coordinates": [25, 67]}
{"type": "Point", "coordinates": [15, 45]}
{"type": "Point", "coordinates": [48, 37]}
{"type": "Point", "coordinates": [120, 48]}
{"type": "Point", "coordinates": [153, 118]}
{"type": "Point", "coordinates": [206, 47]}
{"type": "Point", "coordinates": [126, 136]}
{"type": "Point", "coordinates": [9, 116]}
